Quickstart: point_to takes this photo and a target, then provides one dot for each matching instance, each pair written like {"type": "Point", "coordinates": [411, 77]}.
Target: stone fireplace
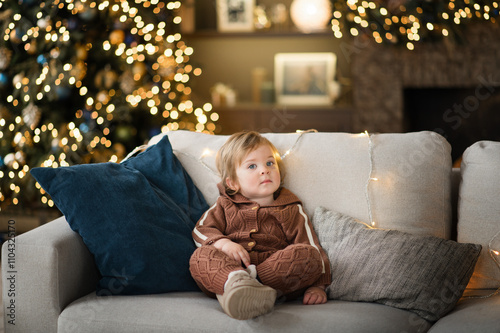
{"type": "Point", "coordinates": [453, 86]}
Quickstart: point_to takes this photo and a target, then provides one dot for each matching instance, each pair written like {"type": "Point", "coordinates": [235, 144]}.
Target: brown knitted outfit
{"type": "Point", "coordinates": [279, 238]}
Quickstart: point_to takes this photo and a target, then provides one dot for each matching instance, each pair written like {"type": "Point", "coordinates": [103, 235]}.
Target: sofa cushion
{"type": "Point", "coordinates": [479, 210]}
{"type": "Point", "coordinates": [476, 314]}
{"type": "Point", "coordinates": [136, 221]}
{"type": "Point", "coordinates": [331, 170]}
{"type": "Point", "coordinates": [195, 312]}
{"type": "Point", "coordinates": [423, 274]}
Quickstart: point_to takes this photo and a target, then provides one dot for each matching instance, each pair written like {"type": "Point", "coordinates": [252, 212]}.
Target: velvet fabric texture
{"type": "Point", "coordinates": [423, 274]}
{"type": "Point", "coordinates": [135, 217]}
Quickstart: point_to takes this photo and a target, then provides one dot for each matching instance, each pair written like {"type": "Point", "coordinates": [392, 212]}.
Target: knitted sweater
{"type": "Point", "coordinates": [260, 228]}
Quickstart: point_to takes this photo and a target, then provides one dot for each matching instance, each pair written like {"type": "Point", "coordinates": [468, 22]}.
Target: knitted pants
{"type": "Point", "coordinates": [289, 270]}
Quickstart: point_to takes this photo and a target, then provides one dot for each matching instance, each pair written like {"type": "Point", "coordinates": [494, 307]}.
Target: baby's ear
{"type": "Point", "coordinates": [233, 185]}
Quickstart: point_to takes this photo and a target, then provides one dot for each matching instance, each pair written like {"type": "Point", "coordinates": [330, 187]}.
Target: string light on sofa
{"type": "Point", "coordinates": [208, 152]}
{"type": "Point", "coordinates": [370, 177]}
{"type": "Point", "coordinates": [494, 254]}
{"type": "Point", "coordinates": [301, 133]}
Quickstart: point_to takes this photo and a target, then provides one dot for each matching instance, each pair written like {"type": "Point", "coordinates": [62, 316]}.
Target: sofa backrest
{"type": "Point", "coordinates": [479, 210]}
{"type": "Point", "coordinates": [338, 171]}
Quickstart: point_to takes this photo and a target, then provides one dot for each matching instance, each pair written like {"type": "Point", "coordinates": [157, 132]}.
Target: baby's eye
{"type": "Point", "coordinates": [270, 163]}
{"type": "Point", "coordinates": [252, 166]}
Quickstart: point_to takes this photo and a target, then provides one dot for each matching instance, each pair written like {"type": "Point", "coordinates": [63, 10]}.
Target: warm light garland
{"type": "Point", "coordinates": [370, 178]}
{"type": "Point", "coordinates": [207, 152]}
{"type": "Point", "coordinates": [406, 22]}
{"type": "Point", "coordinates": [493, 253]}
{"type": "Point", "coordinates": [301, 133]}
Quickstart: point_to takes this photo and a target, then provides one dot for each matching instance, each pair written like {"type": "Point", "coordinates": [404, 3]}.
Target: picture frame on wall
{"type": "Point", "coordinates": [235, 15]}
{"type": "Point", "coordinates": [304, 78]}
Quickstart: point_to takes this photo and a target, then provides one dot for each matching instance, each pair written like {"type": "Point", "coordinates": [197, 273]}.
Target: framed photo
{"type": "Point", "coordinates": [235, 15]}
{"type": "Point", "coordinates": [304, 78]}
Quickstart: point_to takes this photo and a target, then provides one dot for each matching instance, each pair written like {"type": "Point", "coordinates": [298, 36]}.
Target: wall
{"type": "Point", "coordinates": [231, 59]}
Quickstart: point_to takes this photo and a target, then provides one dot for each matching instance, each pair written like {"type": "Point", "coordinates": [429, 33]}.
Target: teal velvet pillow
{"type": "Point", "coordinates": [135, 217]}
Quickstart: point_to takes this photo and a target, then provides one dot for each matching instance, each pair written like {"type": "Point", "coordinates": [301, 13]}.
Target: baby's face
{"type": "Point", "coordinates": [259, 175]}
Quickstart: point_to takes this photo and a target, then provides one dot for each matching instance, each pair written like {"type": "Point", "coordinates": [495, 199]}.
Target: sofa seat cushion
{"type": "Point", "coordinates": [472, 315]}
{"type": "Point", "coordinates": [195, 312]}
{"type": "Point", "coordinates": [412, 193]}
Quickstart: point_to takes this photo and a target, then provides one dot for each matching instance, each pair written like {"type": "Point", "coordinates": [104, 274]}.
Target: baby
{"type": "Point", "coordinates": [256, 243]}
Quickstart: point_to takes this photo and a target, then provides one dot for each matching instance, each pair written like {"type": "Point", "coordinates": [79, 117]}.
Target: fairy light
{"type": "Point", "coordinates": [393, 23]}
{"type": "Point", "coordinates": [370, 178]}
{"type": "Point", "coordinates": [301, 133]}
{"type": "Point", "coordinates": [495, 256]}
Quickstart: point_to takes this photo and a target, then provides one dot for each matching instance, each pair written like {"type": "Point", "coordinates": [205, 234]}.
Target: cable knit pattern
{"type": "Point", "coordinates": [210, 268]}
{"type": "Point", "coordinates": [295, 268]}
{"type": "Point", "coordinates": [266, 232]}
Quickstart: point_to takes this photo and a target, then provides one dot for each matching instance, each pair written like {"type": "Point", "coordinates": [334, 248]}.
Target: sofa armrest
{"type": "Point", "coordinates": [43, 271]}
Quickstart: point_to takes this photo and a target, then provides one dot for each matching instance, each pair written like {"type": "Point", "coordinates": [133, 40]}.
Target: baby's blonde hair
{"type": "Point", "coordinates": [234, 150]}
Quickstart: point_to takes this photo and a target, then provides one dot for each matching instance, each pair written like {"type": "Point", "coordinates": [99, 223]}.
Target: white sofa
{"type": "Point", "coordinates": [397, 181]}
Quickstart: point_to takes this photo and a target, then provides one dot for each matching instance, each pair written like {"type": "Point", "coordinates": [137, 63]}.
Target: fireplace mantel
{"type": "Point", "coordinates": [380, 73]}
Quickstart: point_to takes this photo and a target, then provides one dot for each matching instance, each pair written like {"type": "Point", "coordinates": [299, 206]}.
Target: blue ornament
{"type": "Point", "coordinates": [28, 2]}
{"type": "Point", "coordinates": [87, 115]}
{"type": "Point", "coordinates": [41, 59]}
{"type": "Point", "coordinates": [88, 14]}
{"type": "Point", "coordinates": [129, 39]}
{"type": "Point", "coordinates": [1, 162]}
{"type": "Point", "coordinates": [55, 145]}
{"type": "Point", "coordinates": [84, 128]}
{"type": "Point", "coordinates": [72, 23]}
{"type": "Point", "coordinates": [63, 92]}
{"type": "Point", "coordinates": [4, 79]}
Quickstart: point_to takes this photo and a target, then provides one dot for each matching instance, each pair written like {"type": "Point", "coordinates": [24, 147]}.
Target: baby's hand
{"type": "Point", "coordinates": [233, 250]}
{"type": "Point", "coordinates": [314, 295]}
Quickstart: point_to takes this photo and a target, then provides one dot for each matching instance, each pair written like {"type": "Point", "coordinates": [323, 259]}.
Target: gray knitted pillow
{"type": "Point", "coordinates": [423, 274]}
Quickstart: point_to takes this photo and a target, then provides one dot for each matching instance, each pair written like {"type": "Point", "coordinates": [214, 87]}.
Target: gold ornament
{"type": "Point", "coordinates": [103, 97]}
{"type": "Point", "coordinates": [117, 37]}
{"type": "Point", "coordinates": [18, 78]}
{"type": "Point", "coordinates": [105, 78]}
{"type": "Point", "coordinates": [14, 36]}
{"type": "Point", "coordinates": [79, 70]}
{"type": "Point", "coordinates": [9, 160]}
{"type": "Point", "coordinates": [81, 52]}
{"type": "Point", "coordinates": [139, 69]}
{"type": "Point", "coordinates": [31, 115]}
{"type": "Point", "coordinates": [5, 56]}
{"type": "Point", "coordinates": [127, 82]}
{"type": "Point", "coordinates": [31, 49]}
{"type": "Point", "coordinates": [110, 79]}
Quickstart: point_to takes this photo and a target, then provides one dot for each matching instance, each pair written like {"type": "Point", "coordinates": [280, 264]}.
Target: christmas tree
{"type": "Point", "coordinates": [86, 81]}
